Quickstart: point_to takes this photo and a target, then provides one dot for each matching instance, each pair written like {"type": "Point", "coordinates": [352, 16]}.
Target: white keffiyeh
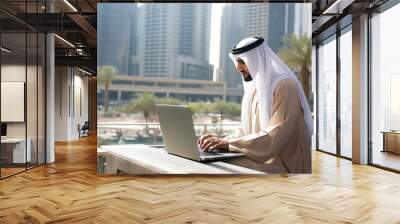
{"type": "Point", "coordinates": [266, 69]}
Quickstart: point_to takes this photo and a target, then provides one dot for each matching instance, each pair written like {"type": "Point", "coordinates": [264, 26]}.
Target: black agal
{"type": "Point", "coordinates": [258, 41]}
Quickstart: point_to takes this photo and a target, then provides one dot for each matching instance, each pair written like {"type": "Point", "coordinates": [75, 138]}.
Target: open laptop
{"type": "Point", "coordinates": [179, 136]}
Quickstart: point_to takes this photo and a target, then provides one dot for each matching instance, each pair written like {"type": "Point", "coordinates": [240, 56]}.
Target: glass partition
{"type": "Point", "coordinates": [314, 94]}
{"type": "Point", "coordinates": [31, 97]}
{"type": "Point", "coordinates": [22, 92]}
{"type": "Point", "coordinates": [346, 92]}
{"type": "Point", "coordinates": [385, 89]}
{"type": "Point", "coordinates": [327, 95]}
{"type": "Point", "coordinates": [41, 96]}
{"type": "Point", "coordinates": [13, 113]}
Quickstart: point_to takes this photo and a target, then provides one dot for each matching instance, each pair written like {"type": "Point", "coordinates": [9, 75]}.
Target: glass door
{"type": "Point", "coordinates": [14, 155]}
{"type": "Point", "coordinates": [22, 95]}
{"type": "Point", "coordinates": [346, 92]}
{"type": "Point", "coordinates": [385, 89]}
{"type": "Point", "coordinates": [327, 96]}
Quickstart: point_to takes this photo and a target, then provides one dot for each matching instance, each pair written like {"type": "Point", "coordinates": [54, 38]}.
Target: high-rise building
{"type": "Point", "coordinates": [231, 34]}
{"type": "Point", "coordinates": [256, 18]}
{"type": "Point", "coordinates": [114, 46]}
{"type": "Point", "coordinates": [271, 21]}
{"type": "Point", "coordinates": [174, 41]}
{"type": "Point", "coordinates": [302, 19]}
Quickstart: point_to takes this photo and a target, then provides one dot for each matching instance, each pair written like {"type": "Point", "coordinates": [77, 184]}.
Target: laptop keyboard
{"type": "Point", "coordinates": [202, 153]}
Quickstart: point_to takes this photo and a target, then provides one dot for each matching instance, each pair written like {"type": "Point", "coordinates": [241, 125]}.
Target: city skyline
{"type": "Point", "coordinates": [271, 21]}
{"type": "Point", "coordinates": [117, 50]}
{"type": "Point", "coordinates": [174, 40]}
{"type": "Point", "coordinates": [297, 23]}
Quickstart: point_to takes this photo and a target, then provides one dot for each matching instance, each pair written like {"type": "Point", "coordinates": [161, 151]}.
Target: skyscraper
{"type": "Point", "coordinates": [114, 46]}
{"type": "Point", "coordinates": [231, 34]}
{"type": "Point", "coordinates": [256, 19]}
{"type": "Point", "coordinates": [302, 19]}
{"type": "Point", "coordinates": [175, 40]}
{"type": "Point", "coordinates": [271, 21]}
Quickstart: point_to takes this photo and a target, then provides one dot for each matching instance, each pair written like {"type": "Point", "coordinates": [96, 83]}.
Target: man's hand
{"type": "Point", "coordinates": [203, 138]}
{"type": "Point", "coordinates": [211, 143]}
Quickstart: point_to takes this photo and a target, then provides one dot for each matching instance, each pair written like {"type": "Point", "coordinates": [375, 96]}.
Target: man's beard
{"type": "Point", "coordinates": [247, 78]}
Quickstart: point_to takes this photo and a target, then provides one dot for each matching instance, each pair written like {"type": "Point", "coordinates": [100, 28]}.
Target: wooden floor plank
{"type": "Point", "coordinates": [69, 191]}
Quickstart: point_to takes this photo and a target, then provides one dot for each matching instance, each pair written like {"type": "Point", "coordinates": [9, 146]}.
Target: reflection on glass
{"type": "Point", "coordinates": [31, 97]}
{"type": "Point", "coordinates": [386, 89]}
{"type": "Point", "coordinates": [41, 99]}
{"type": "Point", "coordinates": [314, 92]}
{"type": "Point", "coordinates": [327, 96]}
{"type": "Point", "coordinates": [22, 91]}
{"type": "Point", "coordinates": [14, 153]}
{"type": "Point", "coordinates": [346, 94]}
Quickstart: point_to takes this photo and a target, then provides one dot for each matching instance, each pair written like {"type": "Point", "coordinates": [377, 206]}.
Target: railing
{"type": "Point", "coordinates": [119, 133]}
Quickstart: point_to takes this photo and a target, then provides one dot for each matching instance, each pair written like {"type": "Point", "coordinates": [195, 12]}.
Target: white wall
{"type": "Point", "coordinates": [71, 94]}
{"type": "Point", "coordinates": [79, 115]}
{"type": "Point", "coordinates": [61, 103]}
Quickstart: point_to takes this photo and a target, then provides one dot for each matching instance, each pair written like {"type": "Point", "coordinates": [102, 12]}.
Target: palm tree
{"type": "Point", "coordinates": [107, 73]}
{"type": "Point", "coordinates": [199, 107]}
{"type": "Point", "coordinates": [145, 103]}
{"type": "Point", "coordinates": [226, 109]}
{"type": "Point", "coordinates": [169, 100]}
{"type": "Point", "coordinates": [297, 55]}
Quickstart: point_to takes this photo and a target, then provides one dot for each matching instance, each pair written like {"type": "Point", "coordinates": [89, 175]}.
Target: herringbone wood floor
{"type": "Point", "coordinates": [69, 191]}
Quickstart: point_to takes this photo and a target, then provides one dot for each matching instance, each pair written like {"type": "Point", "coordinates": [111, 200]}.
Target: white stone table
{"type": "Point", "coordinates": [144, 159]}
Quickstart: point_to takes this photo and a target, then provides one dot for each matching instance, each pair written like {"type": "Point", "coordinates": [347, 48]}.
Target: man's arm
{"type": "Point", "coordinates": [268, 143]}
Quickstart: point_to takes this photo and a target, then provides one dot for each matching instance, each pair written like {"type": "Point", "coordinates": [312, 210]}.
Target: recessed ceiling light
{"type": "Point", "coordinates": [70, 5]}
{"type": "Point", "coordinates": [84, 71]}
{"type": "Point", "coordinates": [5, 50]}
{"type": "Point", "coordinates": [337, 6]}
{"type": "Point", "coordinates": [65, 41]}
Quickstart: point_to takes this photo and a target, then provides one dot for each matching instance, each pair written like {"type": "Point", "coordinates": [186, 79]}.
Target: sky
{"type": "Point", "coordinates": [216, 13]}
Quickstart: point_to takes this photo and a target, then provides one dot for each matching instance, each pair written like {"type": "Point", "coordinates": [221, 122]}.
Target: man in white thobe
{"type": "Point", "coordinates": [276, 119]}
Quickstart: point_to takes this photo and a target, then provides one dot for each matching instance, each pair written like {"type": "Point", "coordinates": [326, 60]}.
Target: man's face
{"type": "Point", "coordinates": [242, 68]}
